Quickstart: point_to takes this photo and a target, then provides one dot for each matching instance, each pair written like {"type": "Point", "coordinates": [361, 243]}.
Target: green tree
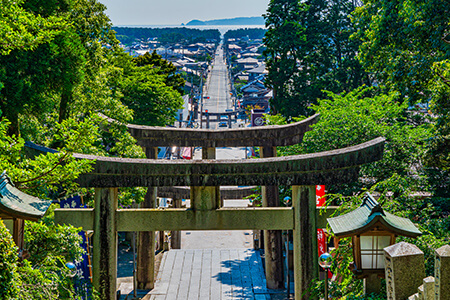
{"type": "Point", "coordinates": [252, 33]}
{"type": "Point", "coordinates": [163, 67]}
{"type": "Point", "coordinates": [284, 39]}
{"type": "Point", "coordinates": [31, 30]}
{"type": "Point", "coordinates": [28, 75]}
{"type": "Point", "coordinates": [44, 275]}
{"type": "Point", "coordinates": [359, 116]}
{"type": "Point", "coordinates": [342, 72]}
{"type": "Point", "coordinates": [43, 174]}
{"type": "Point", "coordinates": [356, 117]}
{"type": "Point", "coordinates": [406, 46]}
{"type": "Point", "coordinates": [49, 281]}
{"type": "Point", "coordinates": [402, 41]}
{"type": "Point", "coordinates": [308, 51]}
{"type": "Point", "coordinates": [146, 93]}
{"type": "Point", "coordinates": [172, 38]}
{"type": "Point", "coordinates": [190, 35]}
{"type": "Point", "coordinates": [46, 76]}
{"type": "Point", "coordinates": [44, 239]}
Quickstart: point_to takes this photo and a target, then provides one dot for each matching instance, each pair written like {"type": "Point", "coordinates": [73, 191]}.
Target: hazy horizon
{"type": "Point", "coordinates": [175, 12]}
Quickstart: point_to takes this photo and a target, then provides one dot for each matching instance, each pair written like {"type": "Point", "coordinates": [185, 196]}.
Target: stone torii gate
{"type": "Point", "coordinates": [302, 172]}
{"type": "Point", "coordinates": [266, 137]}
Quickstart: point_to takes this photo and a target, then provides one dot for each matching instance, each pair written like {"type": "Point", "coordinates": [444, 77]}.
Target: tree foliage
{"type": "Point", "coordinates": [145, 92]}
{"type": "Point", "coordinates": [59, 68]}
{"type": "Point", "coordinates": [46, 239]}
{"type": "Point", "coordinates": [42, 174]}
{"type": "Point", "coordinates": [8, 265]}
{"type": "Point", "coordinates": [189, 35]}
{"type": "Point", "coordinates": [163, 67]}
{"type": "Point", "coordinates": [251, 33]}
{"type": "Point", "coordinates": [284, 39]}
{"type": "Point", "coordinates": [406, 46]}
{"type": "Point", "coordinates": [308, 51]}
{"type": "Point", "coordinates": [44, 274]}
{"type": "Point", "coordinates": [21, 29]}
{"type": "Point", "coordinates": [53, 68]}
{"type": "Point", "coordinates": [402, 42]}
{"type": "Point", "coordinates": [358, 117]}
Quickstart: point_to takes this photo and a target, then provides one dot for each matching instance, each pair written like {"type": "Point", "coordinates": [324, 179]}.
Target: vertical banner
{"type": "Point", "coordinates": [82, 280]}
{"type": "Point", "coordinates": [321, 241]}
{"type": "Point", "coordinates": [320, 195]}
{"type": "Point", "coordinates": [322, 246]}
{"type": "Point", "coordinates": [321, 237]}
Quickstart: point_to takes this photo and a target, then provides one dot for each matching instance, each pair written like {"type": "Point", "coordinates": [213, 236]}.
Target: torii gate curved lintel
{"type": "Point", "coordinates": [324, 167]}
{"type": "Point", "coordinates": [303, 172]}
{"type": "Point", "coordinates": [262, 136]}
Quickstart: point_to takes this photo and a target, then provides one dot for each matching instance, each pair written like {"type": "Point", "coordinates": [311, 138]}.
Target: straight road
{"type": "Point", "coordinates": [218, 87]}
{"type": "Point", "coordinates": [218, 90]}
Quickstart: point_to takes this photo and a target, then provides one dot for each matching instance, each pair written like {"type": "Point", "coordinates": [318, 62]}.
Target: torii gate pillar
{"type": "Point", "coordinates": [105, 242]}
{"type": "Point", "coordinates": [146, 239]}
{"type": "Point", "coordinates": [305, 240]}
{"type": "Point", "coordinates": [206, 197]}
{"type": "Point", "coordinates": [273, 244]}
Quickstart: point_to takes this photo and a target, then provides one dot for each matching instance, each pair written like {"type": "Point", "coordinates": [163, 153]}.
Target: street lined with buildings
{"type": "Point", "coordinates": [218, 88]}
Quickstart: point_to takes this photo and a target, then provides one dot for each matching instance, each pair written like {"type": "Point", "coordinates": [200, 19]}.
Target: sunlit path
{"type": "Point", "coordinates": [211, 274]}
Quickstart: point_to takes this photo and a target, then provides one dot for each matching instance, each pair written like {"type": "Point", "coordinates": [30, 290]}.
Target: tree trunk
{"type": "Point", "coordinates": [66, 98]}
{"type": "Point", "coordinates": [13, 118]}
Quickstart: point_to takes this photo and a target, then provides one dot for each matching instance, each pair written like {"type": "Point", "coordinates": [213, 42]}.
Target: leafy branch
{"type": "Point", "coordinates": [60, 161]}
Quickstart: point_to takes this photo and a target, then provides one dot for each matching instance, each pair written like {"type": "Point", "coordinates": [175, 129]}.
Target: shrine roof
{"type": "Point", "coordinates": [366, 216]}
{"type": "Point", "coordinates": [16, 204]}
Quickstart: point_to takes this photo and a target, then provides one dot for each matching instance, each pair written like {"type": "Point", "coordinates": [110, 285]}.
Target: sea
{"type": "Point", "coordinates": [222, 28]}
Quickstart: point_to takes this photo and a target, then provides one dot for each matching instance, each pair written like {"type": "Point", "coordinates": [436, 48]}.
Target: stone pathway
{"type": "Point", "coordinates": [210, 274]}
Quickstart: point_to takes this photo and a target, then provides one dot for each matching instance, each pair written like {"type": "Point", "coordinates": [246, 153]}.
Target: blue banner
{"type": "Point", "coordinates": [82, 279]}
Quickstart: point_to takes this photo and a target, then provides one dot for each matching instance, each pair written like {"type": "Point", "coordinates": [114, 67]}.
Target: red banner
{"type": "Point", "coordinates": [320, 195]}
{"type": "Point", "coordinates": [321, 241]}
{"type": "Point", "coordinates": [322, 245]}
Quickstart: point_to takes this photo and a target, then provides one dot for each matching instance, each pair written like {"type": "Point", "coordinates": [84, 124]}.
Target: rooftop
{"type": "Point", "coordinates": [366, 216]}
{"type": "Point", "coordinates": [16, 204]}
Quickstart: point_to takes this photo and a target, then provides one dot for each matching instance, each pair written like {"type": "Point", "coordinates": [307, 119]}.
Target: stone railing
{"type": "Point", "coordinates": [405, 273]}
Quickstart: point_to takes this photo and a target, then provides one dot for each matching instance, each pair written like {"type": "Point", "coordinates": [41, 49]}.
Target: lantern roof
{"type": "Point", "coordinates": [366, 216]}
{"type": "Point", "coordinates": [16, 204]}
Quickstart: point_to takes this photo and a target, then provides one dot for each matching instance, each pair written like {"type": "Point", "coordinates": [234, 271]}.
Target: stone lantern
{"type": "Point", "coordinates": [371, 230]}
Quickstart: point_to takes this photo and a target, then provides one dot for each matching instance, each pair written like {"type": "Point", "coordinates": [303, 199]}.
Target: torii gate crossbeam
{"type": "Point", "coordinates": [301, 172]}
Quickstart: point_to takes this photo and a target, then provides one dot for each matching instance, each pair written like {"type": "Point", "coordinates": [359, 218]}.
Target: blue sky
{"type": "Point", "coordinates": [175, 12]}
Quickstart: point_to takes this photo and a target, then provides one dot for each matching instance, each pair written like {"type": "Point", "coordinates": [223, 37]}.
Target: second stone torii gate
{"type": "Point", "coordinates": [265, 137]}
{"type": "Point", "coordinates": [302, 172]}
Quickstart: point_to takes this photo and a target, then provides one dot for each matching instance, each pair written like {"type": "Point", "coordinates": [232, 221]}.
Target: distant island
{"type": "Point", "coordinates": [233, 21]}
